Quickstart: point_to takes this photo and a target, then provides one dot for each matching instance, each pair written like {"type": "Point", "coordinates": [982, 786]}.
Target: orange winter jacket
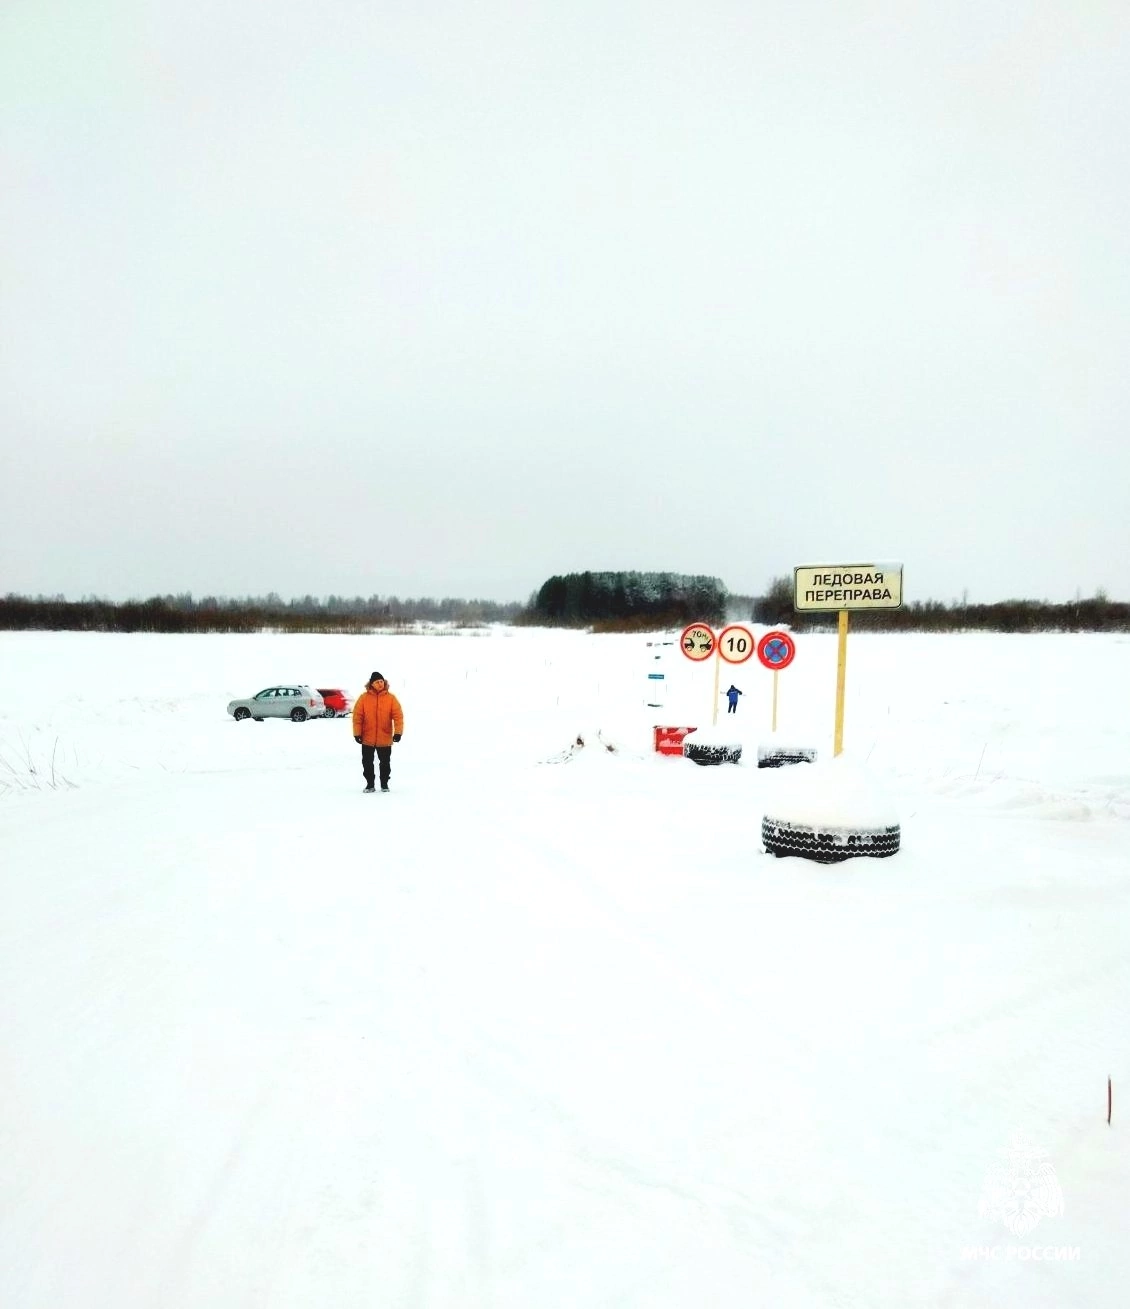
{"type": "Point", "coordinates": [376, 715]}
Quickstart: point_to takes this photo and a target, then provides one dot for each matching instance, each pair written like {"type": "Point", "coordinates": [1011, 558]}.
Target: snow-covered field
{"type": "Point", "coordinates": [545, 1027]}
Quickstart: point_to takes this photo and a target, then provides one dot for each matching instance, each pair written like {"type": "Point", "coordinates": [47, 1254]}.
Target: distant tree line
{"type": "Point", "coordinates": [1097, 614]}
{"type": "Point", "coordinates": [602, 601]}
{"type": "Point", "coordinates": [625, 600]}
{"type": "Point", "coordinates": [182, 613]}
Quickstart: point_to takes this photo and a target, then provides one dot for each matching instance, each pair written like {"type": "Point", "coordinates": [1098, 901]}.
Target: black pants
{"type": "Point", "coordinates": [733, 709]}
{"type": "Point", "coordinates": [384, 758]}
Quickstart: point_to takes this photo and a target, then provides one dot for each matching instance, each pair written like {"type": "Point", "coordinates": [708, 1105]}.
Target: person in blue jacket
{"type": "Point", "coordinates": [732, 696]}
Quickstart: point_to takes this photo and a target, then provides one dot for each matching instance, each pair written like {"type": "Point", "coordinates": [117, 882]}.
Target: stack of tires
{"type": "Point", "coordinates": [711, 746]}
{"type": "Point", "coordinates": [828, 845]}
{"type": "Point", "coordinates": [699, 752]}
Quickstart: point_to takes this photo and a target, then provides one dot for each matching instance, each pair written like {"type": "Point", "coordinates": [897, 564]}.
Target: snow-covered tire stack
{"type": "Point", "coordinates": [828, 812]}
{"type": "Point", "coordinates": [702, 752]}
{"type": "Point", "coordinates": [776, 756]}
{"type": "Point", "coordinates": [828, 845]}
{"type": "Point", "coordinates": [712, 745]}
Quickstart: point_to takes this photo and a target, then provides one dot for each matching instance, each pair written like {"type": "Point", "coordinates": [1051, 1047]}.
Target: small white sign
{"type": "Point", "coordinates": [847, 586]}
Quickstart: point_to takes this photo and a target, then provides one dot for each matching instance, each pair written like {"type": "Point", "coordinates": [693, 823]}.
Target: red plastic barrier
{"type": "Point", "coordinates": [669, 740]}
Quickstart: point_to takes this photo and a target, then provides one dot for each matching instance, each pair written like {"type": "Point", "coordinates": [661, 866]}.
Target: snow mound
{"type": "Point", "coordinates": [765, 749]}
{"type": "Point", "coordinates": [725, 735]}
{"type": "Point", "coordinates": [833, 793]}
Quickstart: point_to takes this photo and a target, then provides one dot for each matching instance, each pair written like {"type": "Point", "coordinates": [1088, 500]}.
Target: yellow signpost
{"type": "Point", "coordinates": [841, 588]}
{"type": "Point", "coordinates": [841, 680]}
{"type": "Point", "coordinates": [714, 706]}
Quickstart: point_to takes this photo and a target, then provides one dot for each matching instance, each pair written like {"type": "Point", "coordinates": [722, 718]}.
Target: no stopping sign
{"type": "Point", "coordinates": [776, 650]}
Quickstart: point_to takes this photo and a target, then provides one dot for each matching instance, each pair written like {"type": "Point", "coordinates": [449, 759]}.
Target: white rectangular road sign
{"type": "Point", "coordinates": [847, 586]}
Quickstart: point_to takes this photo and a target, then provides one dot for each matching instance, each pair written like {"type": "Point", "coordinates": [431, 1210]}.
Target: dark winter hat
{"type": "Point", "coordinates": [376, 677]}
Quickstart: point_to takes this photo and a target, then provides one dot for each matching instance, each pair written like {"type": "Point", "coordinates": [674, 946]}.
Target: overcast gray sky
{"type": "Point", "coordinates": [439, 299]}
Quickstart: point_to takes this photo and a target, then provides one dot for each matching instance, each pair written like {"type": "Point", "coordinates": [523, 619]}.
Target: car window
{"type": "Point", "coordinates": [265, 695]}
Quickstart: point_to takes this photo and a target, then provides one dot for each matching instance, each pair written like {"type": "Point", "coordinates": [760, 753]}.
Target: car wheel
{"type": "Point", "coordinates": [241, 713]}
{"type": "Point", "coordinates": [258, 720]}
{"type": "Point", "coordinates": [298, 715]}
{"type": "Point", "coordinates": [329, 712]}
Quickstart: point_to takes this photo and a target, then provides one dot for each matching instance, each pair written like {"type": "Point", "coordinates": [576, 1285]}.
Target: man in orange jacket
{"type": "Point", "coordinates": [378, 721]}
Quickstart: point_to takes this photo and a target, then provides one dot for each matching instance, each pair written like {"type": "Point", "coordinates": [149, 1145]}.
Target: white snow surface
{"type": "Point", "coordinates": [723, 734]}
{"type": "Point", "coordinates": [545, 1026]}
{"type": "Point", "coordinates": [837, 793]}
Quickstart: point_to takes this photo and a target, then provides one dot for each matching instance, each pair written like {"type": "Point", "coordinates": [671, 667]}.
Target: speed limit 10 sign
{"type": "Point", "coordinates": [735, 644]}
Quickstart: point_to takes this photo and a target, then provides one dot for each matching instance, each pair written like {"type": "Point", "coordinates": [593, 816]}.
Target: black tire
{"type": "Point", "coordinates": [330, 713]}
{"type": "Point", "coordinates": [298, 715]}
{"type": "Point", "coordinates": [700, 753]}
{"type": "Point", "coordinates": [829, 845]}
{"type": "Point", "coordinates": [258, 720]}
{"type": "Point", "coordinates": [241, 713]}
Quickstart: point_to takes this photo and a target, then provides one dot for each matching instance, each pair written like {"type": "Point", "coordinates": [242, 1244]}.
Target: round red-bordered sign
{"type": "Point", "coordinates": [736, 644]}
{"type": "Point", "coordinates": [776, 650]}
{"type": "Point", "coordinates": [697, 641]}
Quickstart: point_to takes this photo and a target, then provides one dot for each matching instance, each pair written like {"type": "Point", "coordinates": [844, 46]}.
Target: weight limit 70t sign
{"type": "Point", "coordinates": [697, 641]}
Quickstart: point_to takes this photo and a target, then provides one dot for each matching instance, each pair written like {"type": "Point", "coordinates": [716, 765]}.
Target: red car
{"type": "Point", "coordinates": [336, 702]}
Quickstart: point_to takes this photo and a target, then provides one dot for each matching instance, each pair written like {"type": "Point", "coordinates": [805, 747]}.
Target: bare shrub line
{"type": "Point", "coordinates": [24, 773]}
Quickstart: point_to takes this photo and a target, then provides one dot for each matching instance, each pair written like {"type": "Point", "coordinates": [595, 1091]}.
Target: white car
{"type": "Point", "coordinates": [294, 702]}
